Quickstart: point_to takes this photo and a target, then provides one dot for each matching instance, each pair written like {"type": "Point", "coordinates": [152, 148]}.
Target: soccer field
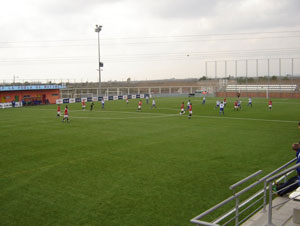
{"type": "Point", "coordinates": [118, 166]}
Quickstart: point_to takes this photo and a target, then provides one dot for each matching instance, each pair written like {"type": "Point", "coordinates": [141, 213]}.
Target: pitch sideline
{"type": "Point", "coordinates": [161, 115]}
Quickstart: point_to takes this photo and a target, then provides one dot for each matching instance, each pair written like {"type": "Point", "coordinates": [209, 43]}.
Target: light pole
{"type": "Point", "coordinates": [98, 29]}
{"type": "Point", "coordinates": [14, 80]}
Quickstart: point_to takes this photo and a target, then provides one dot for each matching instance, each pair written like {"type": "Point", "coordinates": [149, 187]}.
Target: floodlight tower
{"type": "Point", "coordinates": [98, 29]}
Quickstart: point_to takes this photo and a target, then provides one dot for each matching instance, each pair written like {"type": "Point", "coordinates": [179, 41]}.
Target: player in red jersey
{"type": "Point", "coordinates": [140, 105]}
{"type": "Point", "coordinates": [225, 101]}
{"type": "Point", "coordinates": [182, 109]}
{"type": "Point", "coordinates": [58, 110]}
{"type": "Point", "coordinates": [236, 107]}
{"type": "Point", "coordinates": [270, 104]}
{"type": "Point", "coordinates": [66, 114]}
{"type": "Point", "coordinates": [190, 111]}
{"type": "Point", "coordinates": [83, 105]}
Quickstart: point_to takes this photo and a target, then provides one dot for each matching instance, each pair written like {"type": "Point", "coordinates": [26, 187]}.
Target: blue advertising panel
{"type": "Point", "coordinates": [78, 100]}
{"type": "Point", "coordinates": [138, 96]}
{"type": "Point", "coordinates": [100, 98]}
{"type": "Point", "coordinates": [120, 97]}
{"type": "Point", "coordinates": [129, 97]}
{"type": "Point", "coordinates": [89, 99]}
{"type": "Point", "coordinates": [65, 101]}
{"type": "Point", "coordinates": [31, 87]}
{"type": "Point", "coordinates": [111, 98]}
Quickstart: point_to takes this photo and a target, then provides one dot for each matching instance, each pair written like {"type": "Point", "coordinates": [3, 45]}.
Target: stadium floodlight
{"type": "Point", "coordinates": [98, 29]}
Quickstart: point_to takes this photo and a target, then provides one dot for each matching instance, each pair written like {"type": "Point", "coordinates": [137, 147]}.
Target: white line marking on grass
{"type": "Point", "coordinates": [153, 115]}
{"type": "Point", "coordinates": [132, 112]}
{"type": "Point", "coordinates": [105, 118]}
{"type": "Point", "coordinates": [160, 115]}
{"type": "Point", "coordinates": [105, 111]}
{"type": "Point", "coordinates": [235, 118]}
{"type": "Point", "coordinates": [172, 109]}
{"type": "Point", "coordinates": [198, 116]}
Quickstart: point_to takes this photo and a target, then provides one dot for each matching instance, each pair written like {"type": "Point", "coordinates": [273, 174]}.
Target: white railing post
{"type": "Point", "coordinates": [270, 205]}
{"type": "Point", "coordinates": [265, 196]}
{"type": "Point", "coordinates": [237, 211]}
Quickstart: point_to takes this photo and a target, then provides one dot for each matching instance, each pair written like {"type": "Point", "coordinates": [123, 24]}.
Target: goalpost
{"type": "Point", "coordinates": [113, 93]}
{"type": "Point", "coordinates": [84, 95]}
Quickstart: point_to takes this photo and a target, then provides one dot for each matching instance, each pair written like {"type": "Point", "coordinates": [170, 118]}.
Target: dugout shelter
{"type": "Point", "coordinates": [30, 94]}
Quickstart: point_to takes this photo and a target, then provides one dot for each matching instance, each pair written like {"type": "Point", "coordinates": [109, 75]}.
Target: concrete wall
{"type": "Point", "coordinates": [260, 94]}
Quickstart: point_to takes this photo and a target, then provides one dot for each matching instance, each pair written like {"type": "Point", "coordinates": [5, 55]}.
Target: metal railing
{"type": "Point", "coordinates": [270, 181]}
{"type": "Point", "coordinates": [251, 202]}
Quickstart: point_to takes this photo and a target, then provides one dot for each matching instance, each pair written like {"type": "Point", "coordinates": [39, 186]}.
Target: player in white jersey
{"type": "Point", "coordinates": [153, 104]}
{"type": "Point", "coordinates": [249, 102]}
{"type": "Point", "coordinates": [239, 104]}
{"type": "Point", "coordinates": [221, 108]}
{"type": "Point", "coordinates": [217, 104]}
{"type": "Point", "coordinates": [188, 105]}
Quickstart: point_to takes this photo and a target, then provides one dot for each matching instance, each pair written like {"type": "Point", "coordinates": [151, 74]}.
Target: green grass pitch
{"type": "Point", "coordinates": [118, 166]}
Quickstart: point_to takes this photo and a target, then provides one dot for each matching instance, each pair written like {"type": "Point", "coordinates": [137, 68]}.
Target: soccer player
{"type": "Point", "coordinates": [153, 104]}
{"type": "Point", "coordinates": [58, 110]}
{"type": "Point", "coordinates": [83, 105]}
{"type": "Point", "coordinates": [182, 111]}
{"type": "Point", "coordinates": [270, 104]}
{"type": "Point", "coordinates": [249, 102]}
{"type": "Point", "coordinates": [66, 114]}
{"type": "Point", "coordinates": [217, 104]}
{"type": "Point", "coordinates": [225, 101]}
{"type": "Point", "coordinates": [188, 105]}
{"type": "Point", "coordinates": [92, 106]}
{"type": "Point", "coordinates": [204, 100]}
{"type": "Point", "coordinates": [147, 99]}
{"type": "Point", "coordinates": [140, 105]}
{"type": "Point", "coordinates": [236, 105]}
{"type": "Point", "coordinates": [127, 101]}
{"type": "Point", "coordinates": [239, 102]}
{"type": "Point", "coordinates": [221, 108]}
{"type": "Point", "coordinates": [190, 111]}
{"type": "Point", "coordinates": [102, 103]}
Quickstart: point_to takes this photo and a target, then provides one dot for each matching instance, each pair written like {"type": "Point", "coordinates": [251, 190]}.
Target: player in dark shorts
{"type": "Point", "coordinates": [66, 114]}
{"type": "Point", "coordinates": [190, 111]}
{"type": "Point", "coordinates": [92, 106]}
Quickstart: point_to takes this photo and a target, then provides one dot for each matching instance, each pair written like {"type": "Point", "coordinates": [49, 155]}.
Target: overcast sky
{"type": "Point", "coordinates": [145, 39]}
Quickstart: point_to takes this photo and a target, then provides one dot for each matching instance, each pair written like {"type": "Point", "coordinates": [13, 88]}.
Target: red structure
{"type": "Point", "coordinates": [30, 94]}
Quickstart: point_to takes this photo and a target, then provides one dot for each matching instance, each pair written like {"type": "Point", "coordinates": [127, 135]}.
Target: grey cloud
{"type": "Point", "coordinates": [185, 8]}
{"type": "Point", "coordinates": [276, 15]}
{"type": "Point", "coordinates": [74, 6]}
{"type": "Point", "coordinates": [292, 6]}
{"type": "Point", "coordinates": [225, 14]}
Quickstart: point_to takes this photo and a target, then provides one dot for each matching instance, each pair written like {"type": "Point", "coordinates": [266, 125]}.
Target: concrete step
{"type": "Point", "coordinates": [282, 214]}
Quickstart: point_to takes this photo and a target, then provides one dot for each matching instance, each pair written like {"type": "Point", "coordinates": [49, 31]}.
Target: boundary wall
{"type": "Point", "coordinates": [259, 94]}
